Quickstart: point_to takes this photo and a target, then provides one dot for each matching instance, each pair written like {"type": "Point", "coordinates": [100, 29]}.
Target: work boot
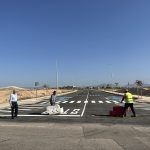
{"type": "Point", "coordinates": [133, 116]}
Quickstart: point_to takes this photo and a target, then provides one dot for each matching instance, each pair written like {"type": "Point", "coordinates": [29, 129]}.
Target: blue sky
{"type": "Point", "coordinates": [94, 41]}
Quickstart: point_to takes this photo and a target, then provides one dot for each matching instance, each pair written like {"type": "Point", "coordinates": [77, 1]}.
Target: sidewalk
{"type": "Point", "coordinates": [143, 99]}
{"type": "Point", "coordinates": [34, 100]}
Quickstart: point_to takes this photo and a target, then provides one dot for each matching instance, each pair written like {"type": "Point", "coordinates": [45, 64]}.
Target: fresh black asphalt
{"type": "Point", "coordinates": [84, 106]}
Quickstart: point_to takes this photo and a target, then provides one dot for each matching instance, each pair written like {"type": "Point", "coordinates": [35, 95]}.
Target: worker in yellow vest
{"type": "Point", "coordinates": [128, 103]}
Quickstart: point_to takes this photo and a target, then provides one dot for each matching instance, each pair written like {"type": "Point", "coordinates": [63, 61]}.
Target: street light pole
{"type": "Point", "coordinates": [56, 75]}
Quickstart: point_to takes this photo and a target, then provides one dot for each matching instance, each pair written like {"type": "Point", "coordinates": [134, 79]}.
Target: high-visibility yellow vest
{"type": "Point", "coordinates": [128, 98]}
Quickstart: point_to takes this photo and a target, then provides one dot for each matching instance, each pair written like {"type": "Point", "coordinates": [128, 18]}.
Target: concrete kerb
{"type": "Point", "coordinates": [143, 99]}
{"type": "Point", "coordinates": [35, 100]}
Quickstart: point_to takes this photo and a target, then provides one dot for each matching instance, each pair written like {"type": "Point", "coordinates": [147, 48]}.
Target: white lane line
{"type": "Point", "coordinates": [32, 107]}
{"type": "Point", "coordinates": [78, 102]}
{"type": "Point", "coordinates": [71, 102]}
{"type": "Point", "coordinates": [66, 111]}
{"type": "Point", "coordinates": [85, 104]}
{"type": "Point", "coordinates": [64, 102]}
{"type": "Point", "coordinates": [40, 115]}
{"type": "Point", "coordinates": [24, 109]}
{"type": "Point", "coordinates": [100, 102]}
{"type": "Point", "coordinates": [69, 115]}
{"type": "Point", "coordinates": [93, 102]}
{"type": "Point", "coordinates": [28, 109]}
{"type": "Point", "coordinates": [108, 102]}
{"type": "Point", "coordinates": [75, 111]}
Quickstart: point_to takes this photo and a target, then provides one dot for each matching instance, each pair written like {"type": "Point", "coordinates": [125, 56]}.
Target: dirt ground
{"type": "Point", "coordinates": [26, 93]}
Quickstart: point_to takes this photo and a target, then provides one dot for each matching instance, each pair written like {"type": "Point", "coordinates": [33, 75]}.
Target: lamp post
{"type": "Point", "coordinates": [56, 75]}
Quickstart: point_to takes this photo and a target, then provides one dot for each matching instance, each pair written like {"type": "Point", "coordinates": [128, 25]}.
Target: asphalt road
{"type": "Point", "coordinates": [86, 106]}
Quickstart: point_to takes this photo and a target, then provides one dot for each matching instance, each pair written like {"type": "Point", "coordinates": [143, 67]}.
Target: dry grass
{"type": "Point", "coordinates": [26, 93]}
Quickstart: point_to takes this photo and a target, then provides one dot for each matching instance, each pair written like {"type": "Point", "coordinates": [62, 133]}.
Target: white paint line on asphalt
{"type": "Point", "coordinates": [43, 103]}
{"type": "Point", "coordinates": [108, 102]}
{"type": "Point", "coordinates": [78, 102]}
{"type": "Point", "coordinates": [65, 112]}
{"type": "Point", "coordinates": [28, 109]}
{"type": "Point", "coordinates": [41, 115]}
{"type": "Point", "coordinates": [71, 102]}
{"type": "Point", "coordinates": [58, 102]}
{"type": "Point", "coordinates": [75, 111]}
{"type": "Point", "coordinates": [31, 107]}
{"type": "Point", "coordinates": [64, 102]}
{"type": "Point", "coordinates": [93, 102]}
{"type": "Point", "coordinates": [69, 115]}
{"type": "Point", "coordinates": [116, 102]}
{"type": "Point", "coordinates": [85, 105]}
{"type": "Point", "coordinates": [86, 101]}
{"type": "Point", "coordinates": [5, 111]}
{"type": "Point", "coordinates": [100, 102]}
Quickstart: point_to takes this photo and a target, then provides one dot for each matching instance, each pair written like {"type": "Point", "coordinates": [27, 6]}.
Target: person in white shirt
{"type": "Point", "coordinates": [53, 98]}
{"type": "Point", "coordinates": [13, 104]}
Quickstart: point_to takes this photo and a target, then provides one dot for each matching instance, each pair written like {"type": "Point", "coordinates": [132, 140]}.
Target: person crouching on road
{"type": "Point", "coordinates": [128, 97]}
{"type": "Point", "coordinates": [13, 104]}
{"type": "Point", "coordinates": [53, 98]}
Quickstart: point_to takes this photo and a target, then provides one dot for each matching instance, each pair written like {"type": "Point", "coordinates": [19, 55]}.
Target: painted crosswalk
{"type": "Point", "coordinates": [26, 108]}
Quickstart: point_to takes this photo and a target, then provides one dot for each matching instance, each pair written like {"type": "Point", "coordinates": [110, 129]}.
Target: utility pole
{"type": "Point", "coordinates": [56, 75]}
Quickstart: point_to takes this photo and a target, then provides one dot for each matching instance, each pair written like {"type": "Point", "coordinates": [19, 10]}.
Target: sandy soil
{"type": "Point", "coordinates": [26, 93]}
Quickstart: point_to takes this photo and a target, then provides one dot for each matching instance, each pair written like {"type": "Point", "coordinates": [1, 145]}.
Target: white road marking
{"type": "Point", "coordinates": [43, 102]}
{"type": "Point", "coordinates": [85, 104]}
{"type": "Point", "coordinates": [71, 102]}
{"type": "Point", "coordinates": [78, 102]}
{"type": "Point", "coordinates": [116, 102]}
{"type": "Point", "coordinates": [101, 102]}
{"type": "Point", "coordinates": [66, 111]}
{"type": "Point", "coordinates": [28, 109]}
{"type": "Point", "coordinates": [58, 102]}
{"type": "Point", "coordinates": [69, 115]}
{"type": "Point", "coordinates": [93, 102]}
{"type": "Point", "coordinates": [31, 107]}
{"type": "Point", "coordinates": [108, 102]}
{"type": "Point", "coordinates": [75, 111]}
{"type": "Point", "coordinates": [64, 102]}
{"type": "Point", "coordinates": [5, 111]}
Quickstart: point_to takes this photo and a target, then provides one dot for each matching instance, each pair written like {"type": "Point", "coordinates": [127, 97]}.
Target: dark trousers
{"type": "Point", "coordinates": [14, 106]}
{"type": "Point", "coordinates": [126, 107]}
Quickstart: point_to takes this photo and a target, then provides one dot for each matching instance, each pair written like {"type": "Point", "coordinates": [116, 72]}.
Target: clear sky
{"type": "Point", "coordinates": [93, 41]}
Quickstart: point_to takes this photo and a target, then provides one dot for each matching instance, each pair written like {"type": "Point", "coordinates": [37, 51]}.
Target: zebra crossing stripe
{"type": "Point", "coordinates": [78, 102]}
{"type": "Point", "coordinates": [93, 102]}
{"type": "Point", "coordinates": [64, 102]}
{"type": "Point", "coordinates": [108, 102]}
{"type": "Point", "coordinates": [58, 102]}
{"type": "Point", "coordinates": [71, 102]}
{"type": "Point", "coordinates": [100, 102]}
{"type": "Point", "coordinates": [116, 102]}
{"type": "Point", "coordinates": [85, 101]}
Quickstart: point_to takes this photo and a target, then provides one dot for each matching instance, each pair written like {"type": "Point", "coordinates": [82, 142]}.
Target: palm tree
{"type": "Point", "coordinates": [116, 84]}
